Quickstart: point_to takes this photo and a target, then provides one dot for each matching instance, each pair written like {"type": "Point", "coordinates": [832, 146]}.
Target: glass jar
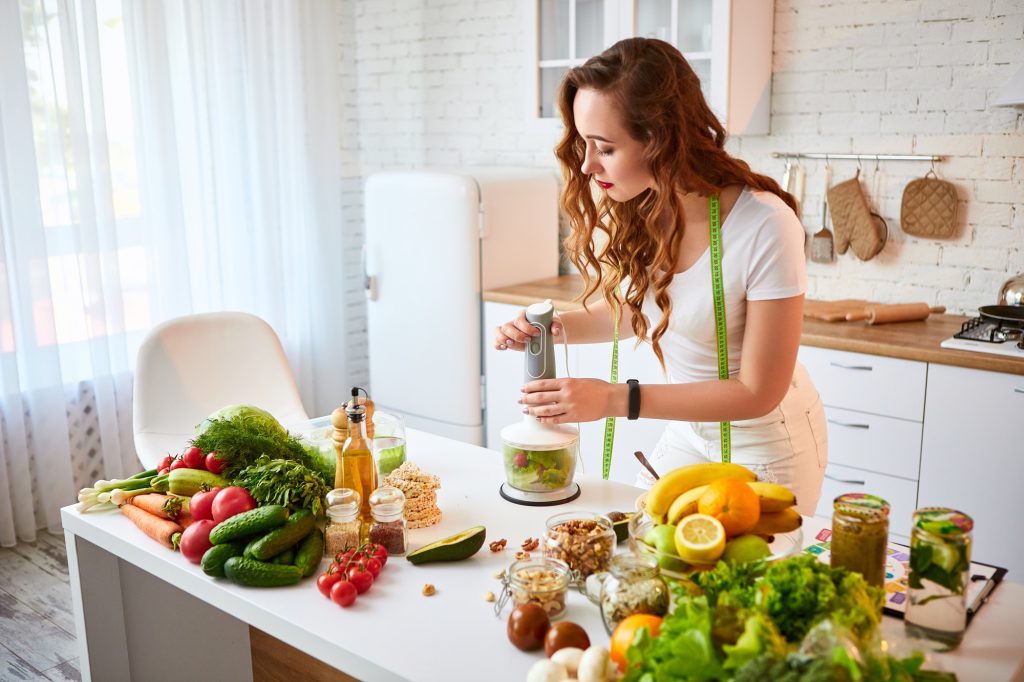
{"type": "Point", "coordinates": [633, 586]}
{"type": "Point", "coordinates": [940, 561]}
{"type": "Point", "coordinates": [585, 541]}
{"type": "Point", "coordinates": [387, 506]}
{"type": "Point", "coordinates": [343, 525]}
{"type": "Point", "coordinates": [542, 581]}
{"type": "Point", "coordinates": [860, 535]}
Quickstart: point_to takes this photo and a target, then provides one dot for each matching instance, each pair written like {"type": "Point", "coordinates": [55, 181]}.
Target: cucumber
{"type": "Point", "coordinates": [187, 482]}
{"type": "Point", "coordinates": [252, 573]}
{"type": "Point", "coordinates": [214, 558]}
{"type": "Point", "coordinates": [285, 557]}
{"type": "Point", "coordinates": [248, 523]}
{"type": "Point", "coordinates": [310, 552]}
{"type": "Point", "coordinates": [276, 541]}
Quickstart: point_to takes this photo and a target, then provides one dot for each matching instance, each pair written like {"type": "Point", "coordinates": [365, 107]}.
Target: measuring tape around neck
{"type": "Point", "coordinates": [609, 422]}
{"type": "Point", "coordinates": [718, 291]}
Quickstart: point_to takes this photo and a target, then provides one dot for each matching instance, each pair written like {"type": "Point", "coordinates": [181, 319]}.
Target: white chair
{"type": "Point", "coordinates": [192, 366]}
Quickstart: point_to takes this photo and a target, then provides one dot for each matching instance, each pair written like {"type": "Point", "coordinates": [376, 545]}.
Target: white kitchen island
{"type": "Point", "coordinates": [144, 613]}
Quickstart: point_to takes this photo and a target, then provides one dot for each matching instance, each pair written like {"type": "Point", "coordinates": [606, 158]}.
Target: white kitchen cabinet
{"type": "Point", "coordinates": [727, 42]}
{"type": "Point", "coordinates": [973, 458]}
{"type": "Point", "coordinates": [900, 493]}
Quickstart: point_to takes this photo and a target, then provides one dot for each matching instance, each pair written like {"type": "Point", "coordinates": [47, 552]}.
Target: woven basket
{"type": "Point", "coordinates": [929, 208]}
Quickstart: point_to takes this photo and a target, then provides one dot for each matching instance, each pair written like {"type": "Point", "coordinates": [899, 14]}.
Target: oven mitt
{"type": "Point", "coordinates": [928, 208]}
{"type": "Point", "coordinates": [852, 220]}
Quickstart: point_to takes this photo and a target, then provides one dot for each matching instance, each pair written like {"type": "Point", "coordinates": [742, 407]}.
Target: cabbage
{"type": "Point", "coordinates": [249, 414]}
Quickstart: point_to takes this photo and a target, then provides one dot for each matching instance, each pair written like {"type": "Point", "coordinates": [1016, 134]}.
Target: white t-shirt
{"type": "Point", "coordinates": [762, 259]}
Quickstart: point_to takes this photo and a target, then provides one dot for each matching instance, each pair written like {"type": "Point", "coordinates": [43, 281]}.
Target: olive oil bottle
{"type": "Point", "coordinates": [356, 469]}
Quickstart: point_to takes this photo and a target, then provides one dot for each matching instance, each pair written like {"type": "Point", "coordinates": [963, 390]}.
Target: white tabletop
{"type": "Point", "coordinates": [393, 632]}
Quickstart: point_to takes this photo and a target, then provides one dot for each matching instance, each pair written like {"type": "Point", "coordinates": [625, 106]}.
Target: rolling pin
{"type": "Point", "coordinates": [898, 312]}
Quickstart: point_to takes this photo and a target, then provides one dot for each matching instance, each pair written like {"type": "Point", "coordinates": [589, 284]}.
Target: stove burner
{"type": "Point", "coordinates": [991, 331]}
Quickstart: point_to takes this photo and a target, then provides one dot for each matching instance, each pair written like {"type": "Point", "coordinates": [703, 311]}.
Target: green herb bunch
{"type": "Point", "coordinates": [241, 442]}
{"type": "Point", "coordinates": [284, 482]}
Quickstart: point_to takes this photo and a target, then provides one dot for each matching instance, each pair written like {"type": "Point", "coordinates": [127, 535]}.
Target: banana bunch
{"type": "Point", "coordinates": [675, 495]}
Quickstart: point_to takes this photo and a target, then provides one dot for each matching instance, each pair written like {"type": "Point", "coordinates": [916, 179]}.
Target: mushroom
{"type": "Point", "coordinates": [594, 665]}
{"type": "Point", "coordinates": [547, 671]}
{"type": "Point", "coordinates": [569, 657]}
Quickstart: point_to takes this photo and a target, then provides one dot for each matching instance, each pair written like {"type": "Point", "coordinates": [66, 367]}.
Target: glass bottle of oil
{"type": "Point", "coordinates": [356, 469]}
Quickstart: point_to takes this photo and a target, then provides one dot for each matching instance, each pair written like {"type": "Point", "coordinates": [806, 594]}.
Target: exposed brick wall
{"type": "Point", "coordinates": [442, 83]}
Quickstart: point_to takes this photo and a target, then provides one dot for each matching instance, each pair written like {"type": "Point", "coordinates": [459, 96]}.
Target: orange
{"type": "Point", "coordinates": [732, 502]}
{"type": "Point", "coordinates": [626, 630]}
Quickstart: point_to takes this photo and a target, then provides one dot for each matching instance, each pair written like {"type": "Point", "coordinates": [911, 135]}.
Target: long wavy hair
{"type": "Point", "coordinates": [659, 98]}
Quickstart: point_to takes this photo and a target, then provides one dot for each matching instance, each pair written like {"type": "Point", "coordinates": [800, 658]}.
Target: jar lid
{"type": "Point", "coordinates": [867, 506]}
{"type": "Point", "coordinates": [530, 434]}
{"type": "Point", "coordinates": [387, 501]}
{"type": "Point", "coordinates": [942, 521]}
{"type": "Point", "coordinates": [342, 503]}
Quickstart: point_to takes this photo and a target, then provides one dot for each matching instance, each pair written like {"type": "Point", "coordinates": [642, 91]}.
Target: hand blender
{"type": "Point", "coordinates": [540, 459]}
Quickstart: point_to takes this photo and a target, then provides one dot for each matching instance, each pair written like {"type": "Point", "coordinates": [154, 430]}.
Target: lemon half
{"type": "Point", "coordinates": [700, 539]}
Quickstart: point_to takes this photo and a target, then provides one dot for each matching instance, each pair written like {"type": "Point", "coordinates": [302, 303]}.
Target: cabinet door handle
{"type": "Point", "coordinates": [863, 368]}
{"type": "Point", "coordinates": [843, 480]}
{"type": "Point", "coordinates": [851, 426]}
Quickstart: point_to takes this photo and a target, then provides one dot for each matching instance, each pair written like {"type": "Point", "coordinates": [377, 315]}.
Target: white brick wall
{"type": "Point", "coordinates": [441, 82]}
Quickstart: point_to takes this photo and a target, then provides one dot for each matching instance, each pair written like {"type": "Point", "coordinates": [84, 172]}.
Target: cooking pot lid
{"type": "Point", "coordinates": [530, 434]}
{"type": "Point", "coordinates": [1004, 313]}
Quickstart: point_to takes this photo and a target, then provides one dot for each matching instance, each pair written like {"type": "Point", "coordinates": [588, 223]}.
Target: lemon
{"type": "Point", "coordinates": [700, 539]}
{"type": "Point", "coordinates": [744, 549]}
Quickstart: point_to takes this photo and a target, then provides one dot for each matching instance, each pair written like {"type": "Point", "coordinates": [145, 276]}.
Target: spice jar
{"type": "Point", "coordinates": [633, 586]}
{"type": "Point", "coordinates": [860, 535]}
{"type": "Point", "coordinates": [343, 524]}
{"type": "Point", "coordinates": [540, 581]}
{"type": "Point", "coordinates": [387, 506]}
{"type": "Point", "coordinates": [940, 561]}
{"type": "Point", "coordinates": [583, 540]}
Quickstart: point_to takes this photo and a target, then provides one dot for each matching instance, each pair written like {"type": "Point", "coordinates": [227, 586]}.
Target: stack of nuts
{"type": "Point", "coordinates": [585, 544]}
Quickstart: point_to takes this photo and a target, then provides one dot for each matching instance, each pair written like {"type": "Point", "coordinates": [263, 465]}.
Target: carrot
{"type": "Point", "coordinates": [155, 527]}
{"type": "Point", "coordinates": [185, 519]}
{"type": "Point", "coordinates": [164, 506]}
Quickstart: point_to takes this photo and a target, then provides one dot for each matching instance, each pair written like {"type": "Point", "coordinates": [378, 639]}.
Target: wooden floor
{"type": "Point", "coordinates": [37, 629]}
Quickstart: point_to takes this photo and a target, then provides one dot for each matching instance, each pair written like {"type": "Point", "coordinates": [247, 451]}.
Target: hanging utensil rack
{"type": "Point", "coordinates": [858, 157]}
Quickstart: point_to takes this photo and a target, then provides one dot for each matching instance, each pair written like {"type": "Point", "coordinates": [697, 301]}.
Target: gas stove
{"type": "Point", "coordinates": [989, 336]}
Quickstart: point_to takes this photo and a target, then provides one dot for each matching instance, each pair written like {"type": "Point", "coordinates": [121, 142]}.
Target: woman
{"type": "Point", "coordinates": [638, 127]}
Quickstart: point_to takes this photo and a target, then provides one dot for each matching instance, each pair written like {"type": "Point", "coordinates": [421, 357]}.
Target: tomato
{"type": "Point", "coordinates": [527, 625]}
{"type": "Point", "coordinates": [378, 552]}
{"type": "Point", "coordinates": [196, 540]}
{"type": "Point", "coordinates": [214, 464]}
{"type": "Point", "coordinates": [178, 464]}
{"type": "Point", "coordinates": [165, 463]}
{"type": "Point", "coordinates": [565, 634]}
{"type": "Point", "coordinates": [361, 578]}
{"type": "Point", "coordinates": [371, 564]}
{"type": "Point", "coordinates": [343, 557]}
{"type": "Point", "coordinates": [201, 505]}
{"type": "Point", "coordinates": [344, 593]}
{"type": "Point", "coordinates": [230, 501]}
{"type": "Point", "coordinates": [193, 458]}
{"type": "Point", "coordinates": [326, 581]}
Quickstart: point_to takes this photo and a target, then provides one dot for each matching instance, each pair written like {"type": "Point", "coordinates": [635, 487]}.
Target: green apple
{"type": "Point", "coordinates": [744, 549]}
{"type": "Point", "coordinates": [662, 538]}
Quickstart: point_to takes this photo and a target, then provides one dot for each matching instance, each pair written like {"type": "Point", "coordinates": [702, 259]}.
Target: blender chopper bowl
{"type": "Point", "coordinates": [539, 459]}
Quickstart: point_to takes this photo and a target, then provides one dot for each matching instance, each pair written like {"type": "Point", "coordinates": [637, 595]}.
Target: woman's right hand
{"type": "Point", "coordinates": [515, 333]}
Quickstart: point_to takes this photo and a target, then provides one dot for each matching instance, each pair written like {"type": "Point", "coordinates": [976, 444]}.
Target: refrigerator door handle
{"type": "Point", "coordinates": [369, 281]}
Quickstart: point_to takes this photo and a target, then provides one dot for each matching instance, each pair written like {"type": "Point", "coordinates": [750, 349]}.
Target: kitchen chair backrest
{"type": "Point", "coordinates": [189, 367]}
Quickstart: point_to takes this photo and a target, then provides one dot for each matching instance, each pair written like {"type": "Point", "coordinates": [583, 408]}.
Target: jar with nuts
{"type": "Point", "coordinates": [633, 586]}
{"type": "Point", "coordinates": [583, 540]}
{"type": "Point", "coordinates": [544, 582]}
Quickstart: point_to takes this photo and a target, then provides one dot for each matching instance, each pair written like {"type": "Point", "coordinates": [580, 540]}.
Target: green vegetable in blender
{"type": "Point", "coordinates": [538, 469]}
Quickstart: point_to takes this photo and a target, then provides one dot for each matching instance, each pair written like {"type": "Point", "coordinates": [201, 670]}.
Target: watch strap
{"type": "Point", "coordinates": [633, 408]}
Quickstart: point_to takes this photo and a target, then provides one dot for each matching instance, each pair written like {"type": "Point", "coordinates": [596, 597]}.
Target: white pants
{"type": "Point", "coordinates": [789, 445]}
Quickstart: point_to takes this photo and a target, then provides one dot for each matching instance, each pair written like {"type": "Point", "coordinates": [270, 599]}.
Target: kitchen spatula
{"type": "Point", "coordinates": [822, 250]}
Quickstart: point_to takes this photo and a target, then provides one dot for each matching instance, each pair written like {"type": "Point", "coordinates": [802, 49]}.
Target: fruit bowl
{"type": "Point", "coordinates": [672, 567]}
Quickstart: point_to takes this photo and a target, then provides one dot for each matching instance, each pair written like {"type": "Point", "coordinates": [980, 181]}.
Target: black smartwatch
{"type": "Point", "coordinates": [633, 409]}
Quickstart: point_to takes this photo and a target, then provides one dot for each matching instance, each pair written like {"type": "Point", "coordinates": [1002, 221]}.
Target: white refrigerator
{"type": "Point", "coordinates": [434, 241]}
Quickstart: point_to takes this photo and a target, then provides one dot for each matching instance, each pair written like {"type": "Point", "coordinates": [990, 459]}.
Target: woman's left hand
{"type": "Point", "coordinates": [562, 401]}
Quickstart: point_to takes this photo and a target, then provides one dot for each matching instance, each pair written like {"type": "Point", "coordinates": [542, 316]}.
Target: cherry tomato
{"type": "Point", "coordinates": [165, 463]}
{"type": "Point", "coordinates": [178, 464]}
{"type": "Point", "coordinates": [361, 578]}
{"type": "Point", "coordinates": [326, 581]}
{"type": "Point", "coordinates": [344, 593]}
{"type": "Point", "coordinates": [343, 557]}
{"type": "Point", "coordinates": [193, 458]}
{"type": "Point", "coordinates": [377, 551]}
{"type": "Point", "coordinates": [371, 564]}
{"type": "Point", "coordinates": [214, 464]}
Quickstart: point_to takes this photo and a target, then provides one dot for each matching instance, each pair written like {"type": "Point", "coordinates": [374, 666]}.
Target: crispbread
{"type": "Point", "coordinates": [421, 508]}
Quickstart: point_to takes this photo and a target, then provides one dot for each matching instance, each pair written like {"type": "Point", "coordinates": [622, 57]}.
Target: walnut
{"type": "Point", "coordinates": [498, 545]}
{"type": "Point", "coordinates": [530, 544]}
{"type": "Point", "coordinates": [428, 590]}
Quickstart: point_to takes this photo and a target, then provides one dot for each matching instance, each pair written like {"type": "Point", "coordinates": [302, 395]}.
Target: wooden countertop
{"type": "Point", "coordinates": [907, 340]}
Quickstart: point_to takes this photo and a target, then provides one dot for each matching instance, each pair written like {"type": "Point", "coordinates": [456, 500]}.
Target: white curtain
{"type": "Point", "coordinates": [157, 159]}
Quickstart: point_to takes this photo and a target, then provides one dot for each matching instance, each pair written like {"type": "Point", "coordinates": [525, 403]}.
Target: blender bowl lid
{"type": "Point", "coordinates": [530, 434]}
